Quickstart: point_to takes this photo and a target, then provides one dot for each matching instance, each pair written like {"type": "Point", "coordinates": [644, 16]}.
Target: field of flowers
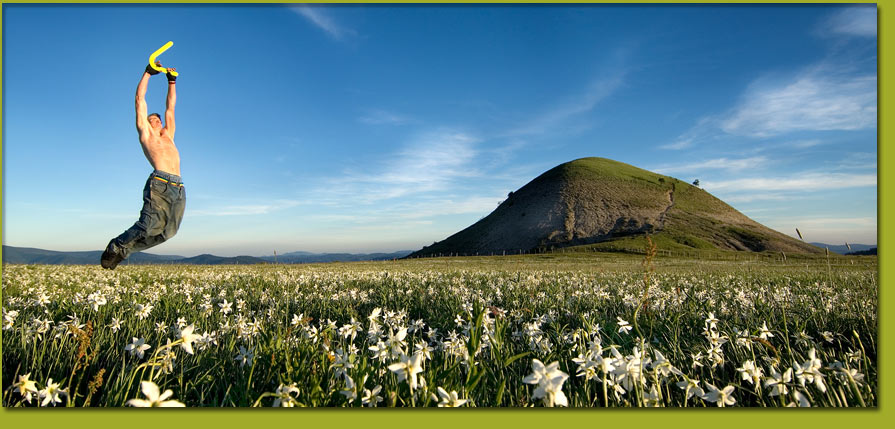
{"type": "Point", "coordinates": [471, 332]}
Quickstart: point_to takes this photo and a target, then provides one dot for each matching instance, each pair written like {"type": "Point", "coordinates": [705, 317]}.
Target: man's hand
{"type": "Point", "coordinates": [171, 78]}
{"type": "Point", "coordinates": [152, 71]}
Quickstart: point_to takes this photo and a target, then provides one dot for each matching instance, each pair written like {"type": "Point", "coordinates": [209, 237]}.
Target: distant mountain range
{"type": "Point", "coordinates": [862, 249]}
{"type": "Point", "coordinates": [27, 255]}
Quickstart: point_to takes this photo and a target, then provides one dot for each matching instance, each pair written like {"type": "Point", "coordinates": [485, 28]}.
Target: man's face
{"type": "Point", "coordinates": [155, 122]}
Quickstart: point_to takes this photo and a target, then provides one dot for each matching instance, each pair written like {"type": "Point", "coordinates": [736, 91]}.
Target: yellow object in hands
{"type": "Point", "coordinates": [157, 53]}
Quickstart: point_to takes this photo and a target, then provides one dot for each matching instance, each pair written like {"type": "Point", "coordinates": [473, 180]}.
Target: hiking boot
{"type": "Point", "coordinates": [111, 256]}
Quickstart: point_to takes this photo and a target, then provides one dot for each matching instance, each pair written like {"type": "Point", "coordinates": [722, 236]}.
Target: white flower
{"type": "Point", "coordinates": [244, 357]}
{"type": "Point", "coordinates": [450, 399]}
{"type": "Point", "coordinates": [371, 397]}
{"type": "Point", "coordinates": [9, 318]}
{"type": "Point", "coordinates": [298, 319]}
{"type": "Point", "coordinates": [142, 311]}
{"type": "Point", "coordinates": [749, 372]}
{"type": "Point", "coordinates": [721, 397]}
{"type": "Point", "coordinates": [691, 388]}
{"type": "Point", "coordinates": [342, 363]}
{"type": "Point", "coordinates": [26, 387]}
{"type": "Point", "coordinates": [188, 337]}
{"type": "Point", "coordinates": [349, 330]}
{"type": "Point", "coordinates": [284, 396]}
{"type": "Point", "coordinates": [799, 399]}
{"type": "Point", "coordinates": [407, 369]}
{"type": "Point", "coordinates": [623, 326]}
{"type": "Point", "coordinates": [652, 398]}
{"type": "Point", "coordinates": [115, 325]}
{"type": "Point", "coordinates": [764, 333]}
{"type": "Point", "coordinates": [459, 321]}
{"type": "Point", "coordinates": [51, 393]}
{"type": "Point", "coordinates": [226, 307]}
{"type": "Point", "coordinates": [778, 382]}
{"type": "Point", "coordinates": [587, 367]}
{"type": "Point", "coordinates": [153, 399]}
{"type": "Point", "coordinates": [350, 390]}
{"type": "Point", "coordinates": [809, 371]}
{"type": "Point", "coordinates": [137, 347]}
{"type": "Point", "coordinates": [96, 300]}
{"type": "Point", "coordinates": [549, 380]}
{"type": "Point", "coordinates": [662, 366]}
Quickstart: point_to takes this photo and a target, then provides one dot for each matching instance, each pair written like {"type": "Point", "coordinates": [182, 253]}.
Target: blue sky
{"type": "Point", "coordinates": [382, 128]}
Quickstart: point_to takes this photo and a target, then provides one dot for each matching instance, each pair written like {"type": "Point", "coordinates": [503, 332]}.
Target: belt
{"type": "Point", "coordinates": [168, 181]}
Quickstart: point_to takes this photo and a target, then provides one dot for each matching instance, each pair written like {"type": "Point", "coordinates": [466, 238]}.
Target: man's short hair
{"type": "Point", "coordinates": [154, 114]}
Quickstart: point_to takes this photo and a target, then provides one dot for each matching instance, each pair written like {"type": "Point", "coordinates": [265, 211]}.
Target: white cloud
{"type": "Point", "coordinates": [382, 117]}
{"type": "Point", "coordinates": [819, 100]}
{"type": "Point", "coordinates": [315, 15]}
{"type": "Point", "coordinates": [247, 209]}
{"type": "Point", "coordinates": [716, 164]}
{"type": "Point", "coordinates": [804, 182]}
{"type": "Point", "coordinates": [704, 129]}
{"type": "Point", "coordinates": [748, 198]}
{"type": "Point", "coordinates": [550, 120]}
{"type": "Point", "coordinates": [431, 162]}
{"type": "Point", "coordinates": [830, 95]}
{"type": "Point", "coordinates": [804, 144]}
{"type": "Point", "coordinates": [854, 21]}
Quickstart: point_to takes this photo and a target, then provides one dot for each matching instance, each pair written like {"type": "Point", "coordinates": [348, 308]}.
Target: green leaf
{"type": "Point", "coordinates": [470, 386]}
{"type": "Point", "coordinates": [515, 358]}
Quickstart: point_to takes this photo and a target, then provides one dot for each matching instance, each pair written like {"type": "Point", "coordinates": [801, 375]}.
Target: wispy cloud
{"type": "Point", "coordinates": [830, 95]}
{"type": "Point", "coordinates": [800, 182]}
{"type": "Point", "coordinates": [733, 165]}
{"type": "Point", "coordinates": [316, 16]}
{"type": "Point", "coordinates": [858, 20]}
{"type": "Point", "coordinates": [247, 209]}
{"type": "Point", "coordinates": [804, 144]}
{"type": "Point", "coordinates": [382, 117]}
{"type": "Point", "coordinates": [819, 100]}
{"type": "Point", "coordinates": [584, 102]}
{"type": "Point", "coordinates": [857, 161]}
{"type": "Point", "coordinates": [433, 161]}
{"type": "Point", "coordinates": [704, 129]}
{"type": "Point", "coordinates": [762, 196]}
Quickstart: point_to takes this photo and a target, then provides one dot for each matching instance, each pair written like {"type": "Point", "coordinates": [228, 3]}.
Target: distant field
{"type": "Point", "coordinates": [564, 329]}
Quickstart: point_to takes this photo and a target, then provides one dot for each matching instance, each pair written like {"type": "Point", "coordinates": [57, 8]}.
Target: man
{"type": "Point", "coordinates": [164, 197]}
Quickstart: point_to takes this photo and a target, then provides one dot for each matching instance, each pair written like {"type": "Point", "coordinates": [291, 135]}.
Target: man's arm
{"type": "Point", "coordinates": [171, 101]}
{"type": "Point", "coordinates": [140, 106]}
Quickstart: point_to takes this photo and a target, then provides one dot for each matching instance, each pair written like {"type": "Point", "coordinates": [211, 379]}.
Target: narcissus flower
{"type": "Point", "coordinates": [153, 398]}
{"type": "Point", "coordinates": [450, 399]}
{"type": "Point", "coordinates": [549, 380]}
{"type": "Point", "coordinates": [137, 347]}
{"type": "Point", "coordinates": [26, 387]}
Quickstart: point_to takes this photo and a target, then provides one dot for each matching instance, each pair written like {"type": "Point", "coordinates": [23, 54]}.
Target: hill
{"type": "Point", "coordinates": [607, 204]}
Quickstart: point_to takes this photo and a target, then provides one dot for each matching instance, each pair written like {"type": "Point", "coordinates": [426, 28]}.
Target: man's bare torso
{"type": "Point", "coordinates": [161, 152]}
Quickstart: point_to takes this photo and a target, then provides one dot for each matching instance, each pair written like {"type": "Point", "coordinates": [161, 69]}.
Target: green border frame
{"type": "Point", "coordinates": [726, 418]}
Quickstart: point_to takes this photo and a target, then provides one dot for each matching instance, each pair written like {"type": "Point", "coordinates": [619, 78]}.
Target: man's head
{"type": "Point", "coordinates": [155, 121]}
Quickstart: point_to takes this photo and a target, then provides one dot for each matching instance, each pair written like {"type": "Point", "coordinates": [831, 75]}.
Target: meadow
{"type": "Point", "coordinates": [573, 330]}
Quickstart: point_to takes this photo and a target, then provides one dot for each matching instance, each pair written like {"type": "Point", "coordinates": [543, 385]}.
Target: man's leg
{"type": "Point", "coordinates": [147, 232]}
{"type": "Point", "coordinates": [175, 215]}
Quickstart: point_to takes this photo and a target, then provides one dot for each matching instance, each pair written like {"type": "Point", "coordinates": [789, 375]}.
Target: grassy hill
{"type": "Point", "coordinates": [606, 204]}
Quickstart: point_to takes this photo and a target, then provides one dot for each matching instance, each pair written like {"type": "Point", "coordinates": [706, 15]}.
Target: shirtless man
{"type": "Point", "coordinates": [164, 197]}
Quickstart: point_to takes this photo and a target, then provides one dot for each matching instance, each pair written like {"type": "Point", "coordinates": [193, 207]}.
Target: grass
{"type": "Point", "coordinates": [478, 325]}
